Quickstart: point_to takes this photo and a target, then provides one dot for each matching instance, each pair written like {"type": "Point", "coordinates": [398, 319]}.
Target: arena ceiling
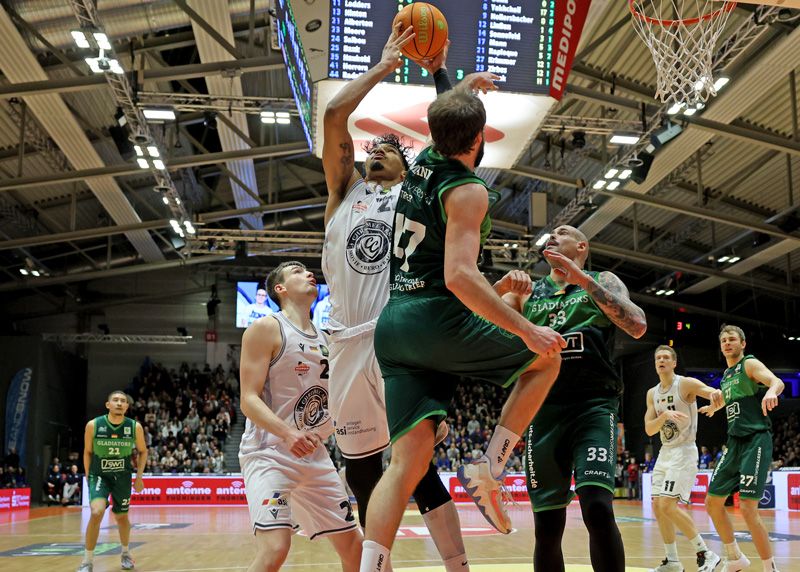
{"type": "Point", "coordinates": [72, 209]}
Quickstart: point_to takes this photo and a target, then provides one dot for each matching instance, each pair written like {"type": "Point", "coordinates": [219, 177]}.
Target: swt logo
{"type": "Point", "coordinates": [411, 123]}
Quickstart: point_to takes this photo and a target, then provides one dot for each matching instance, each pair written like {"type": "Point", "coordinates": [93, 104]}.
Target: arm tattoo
{"type": "Point", "coordinates": [610, 294]}
{"type": "Point", "coordinates": [347, 159]}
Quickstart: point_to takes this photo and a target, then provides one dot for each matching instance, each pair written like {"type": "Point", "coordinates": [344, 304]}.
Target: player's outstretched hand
{"type": "Point", "coordinates": [515, 282]}
{"type": "Point", "coordinates": [769, 402]}
{"type": "Point", "coordinates": [481, 81]}
{"type": "Point", "coordinates": [391, 51]}
{"type": "Point", "coordinates": [544, 341]}
{"type": "Point", "coordinates": [564, 266]}
{"type": "Point", "coordinates": [717, 399]}
{"type": "Point", "coordinates": [302, 443]}
{"type": "Point", "coordinates": [138, 484]}
{"type": "Point", "coordinates": [432, 65]}
{"type": "Point", "coordinates": [707, 410]}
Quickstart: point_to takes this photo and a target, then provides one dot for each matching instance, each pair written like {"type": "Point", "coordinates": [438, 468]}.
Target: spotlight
{"type": "Point", "coordinates": [155, 114]}
{"type": "Point", "coordinates": [158, 164]}
{"type": "Point", "coordinates": [612, 186]}
{"type": "Point", "coordinates": [599, 184]}
{"type": "Point", "coordinates": [666, 134]}
{"type": "Point", "coordinates": [624, 138]}
{"type": "Point", "coordinates": [80, 39]}
{"type": "Point", "coordinates": [578, 139]}
{"type": "Point", "coordinates": [611, 173]}
{"type": "Point", "coordinates": [760, 238]}
{"type": "Point", "coordinates": [102, 41]}
{"type": "Point", "coordinates": [24, 271]}
{"type": "Point", "coordinates": [210, 120]}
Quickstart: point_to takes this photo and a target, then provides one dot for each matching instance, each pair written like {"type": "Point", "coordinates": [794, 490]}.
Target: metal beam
{"type": "Point", "coordinates": [545, 175]}
{"type": "Point", "coordinates": [209, 29]}
{"type": "Point", "coordinates": [659, 262]}
{"type": "Point", "coordinates": [271, 151]}
{"type": "Point", "coordinates": [698, 212]}
{"type": "Point", "coordinates": [174, 73]}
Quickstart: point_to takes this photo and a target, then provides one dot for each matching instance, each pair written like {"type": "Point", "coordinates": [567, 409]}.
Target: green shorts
{"type": "Point", "coordinates": [744, 465]}
{"type": "Point", "coordinates": [426, 345]}
{"type": "Point", "coordinates": [579, 437]}
{"type": "Point", "coordinates": [118, 486]}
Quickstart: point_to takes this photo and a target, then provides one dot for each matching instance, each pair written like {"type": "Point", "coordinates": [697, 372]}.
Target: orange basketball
{"type": "Point", "coordinates": [430, 30]}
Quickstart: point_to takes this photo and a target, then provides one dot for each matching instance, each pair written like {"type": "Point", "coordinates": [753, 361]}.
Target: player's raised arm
{"type": "Point", "coordinates": [260, 342]}
{"type": "Point", "coordinates": [699, 389]}
{"type": "Point", "coordinates": [338, 154]}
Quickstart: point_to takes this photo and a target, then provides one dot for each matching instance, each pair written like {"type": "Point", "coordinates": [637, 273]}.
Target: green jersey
{"type": "Point", "coordinates": [420, 224]}
{"type": "Point", "coordinates": [743, 401]}
{"type": "Point", "coordinates": [587, 370]}
{"type": "Point", "coordinates": [113, 446]}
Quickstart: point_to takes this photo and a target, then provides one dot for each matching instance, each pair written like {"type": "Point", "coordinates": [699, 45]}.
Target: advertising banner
{"type": "Point", "coordinates": [17, 406]}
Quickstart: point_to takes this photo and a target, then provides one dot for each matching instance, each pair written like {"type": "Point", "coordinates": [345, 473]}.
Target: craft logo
{"type": "Point", "coordinates": [503, 451]}
{"type": "Point", "coordinates": [275, 504]}
{"type": "Point", "coordinates": [311, 409]}
{"type": "Point", "coordinates": [112, 464]}
{"type": "Point", "coordinates": [368, 247]}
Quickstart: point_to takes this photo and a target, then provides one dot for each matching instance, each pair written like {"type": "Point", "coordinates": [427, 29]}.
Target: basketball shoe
{"type": "Point", "coordinates": [669, 566]}
{"type": "Point", "coordinates": [86, 567]}
{"type": "Point", "coordinates": [740, 563]}
{"type": "Point", "coordinates": [486, 492]}
{"type": "Point", "coordinates": [126, 561]}
{"type": "Point", "coordinates": [707, 561]}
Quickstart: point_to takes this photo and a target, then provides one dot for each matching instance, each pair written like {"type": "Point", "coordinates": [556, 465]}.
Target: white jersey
{"type": "Point", "coordinates": [296, 388]}
{"type": "Point", "coordinates": [356, 254]}
{"type": "Point", "coordinates": [674, 434]}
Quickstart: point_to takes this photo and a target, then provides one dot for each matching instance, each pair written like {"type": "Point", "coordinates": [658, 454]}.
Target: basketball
{"type": "Point", "coordinates": [430, 30]}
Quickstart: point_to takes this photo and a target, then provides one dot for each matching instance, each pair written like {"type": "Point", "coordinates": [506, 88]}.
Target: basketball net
{"type": "Point", "coordinates": [681, 35]}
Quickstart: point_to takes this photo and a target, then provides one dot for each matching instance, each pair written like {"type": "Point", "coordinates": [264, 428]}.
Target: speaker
{"type": "Point", "coordinates": [640, 172]}
{"type": "Point", "coordinates": [124, 145]}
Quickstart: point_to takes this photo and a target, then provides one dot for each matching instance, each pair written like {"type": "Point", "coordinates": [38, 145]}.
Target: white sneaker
{"type": "Point", "coordinates": [441, 433]}
{"type": "Point", "coordinates": [486, 492]}
{"type": "Point", "coordinates": [126, 561]}
{"type": "Point", "coordinates": [85, 567]}
{"type": "Point", "coordinates": [668, 566]}
{"type": "Point", "coordinates": [737, 565]}
{"type": "Point", "coordinates": [707, 561]}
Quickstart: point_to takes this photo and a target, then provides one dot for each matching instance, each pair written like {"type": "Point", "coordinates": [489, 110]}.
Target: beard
{"type": "Point", "coordinates": [479, 156]}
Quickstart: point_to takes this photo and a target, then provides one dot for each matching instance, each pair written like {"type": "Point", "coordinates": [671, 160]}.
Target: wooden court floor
{"type": "Point", "coordinates": [219, 539]}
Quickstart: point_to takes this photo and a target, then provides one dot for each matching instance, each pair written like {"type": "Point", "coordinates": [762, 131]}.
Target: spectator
{"type": "Point", "coordinates": [705, 458]}
{"type": "Point", "coordinates": [12, 458]}
{"type": "Point", "coordinates": [443, 462]}
{"type": "Point", "coordinates": [72, 487]}
{"type": "Point", "coordinates": [54, 484]}
{"type": "Point", "coordinates": [649, 463]}
{"type": "Point", "coordinates": [633, 479]}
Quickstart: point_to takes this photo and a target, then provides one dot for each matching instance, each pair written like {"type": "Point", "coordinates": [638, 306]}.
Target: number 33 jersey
{"type": "Point", "coordinates": [587, 370]}
{"type": "Point", "coordinates": [296, 388]}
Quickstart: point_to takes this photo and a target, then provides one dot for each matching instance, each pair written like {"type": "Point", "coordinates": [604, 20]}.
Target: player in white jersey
{"type": "Point", "coordinates": [672, 412]}
{"type": "Point", "coordinates": [289, 477]}
{"type": "Point", "coordinates": [355, 260]}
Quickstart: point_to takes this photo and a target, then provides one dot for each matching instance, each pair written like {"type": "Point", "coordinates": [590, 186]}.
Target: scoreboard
{"type": "Point", "coordinates": [510, 38]}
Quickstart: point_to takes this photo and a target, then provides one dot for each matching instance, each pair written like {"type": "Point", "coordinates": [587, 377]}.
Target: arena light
{"type": "Point", "coordinates": [189, 227]}
{"type": "Point", "coordinates": [625, 174]}
{"type": "Point", "coordinates": [158, 164]}
{"type": "Point", "coordinates": [723, 259]}
{"type": "Point", "coordinates": [159, 113]}
{"type": "Point", "coordinates": [152, 150]}
{"type": "Point", "coordinates": [691, 111]}
{"type": "Point", "coordinates": [734, 259]}
{"type": "Point", "coordinates": [669, 292]}
{"type": "Point", "coordinates": [661, 292]}
{"type": "Point", "coordinates": [624, 139]}
{"type": "Point", "coordinates": [36, 273]}
{"type": "Point", "coordinates": [102, 41]}
{"type": "Point", "coordinates": [282, 117]}
{"type": "Point", "coordinates": [611, 173]}
{"type": "Point", "coordinates": [268, 117]}
{"type": "Point", "coordinates": [80, 39]}
{"type": "Point", "coordinates": [675, 109]}
{"type": "Point", "coordinates": [613, 185]}
{"type": "Point", "coordinates": [139, 152]}
{"type": "Point", "coordinates": [721, 82]}
{"type": "Point", "coordinates": [24, 271]}
{"type": "Point", "coordinates": [143, 164]}
{"type": "Point", "coordinates": [599, 184]}
{"type": "Point", "coordinates": [165, 200]}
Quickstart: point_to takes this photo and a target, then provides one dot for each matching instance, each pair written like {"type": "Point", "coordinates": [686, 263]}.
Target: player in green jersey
{"type": "Point", "coordinates": [444, 321]}
{"type": "Point", "coordinates": [109, 442]}
{"type": "Point", "coordinates": [750, 391]}
{"type": "Point", "coordinates": [575, 429]}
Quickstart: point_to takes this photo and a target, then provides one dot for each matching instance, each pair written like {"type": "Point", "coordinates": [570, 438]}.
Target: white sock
{"type": "Point", "coordinates": [124, 548]}
{"type": "Point", "coordinates": [672, 552]}
{"type": "Point", "coordinates": [500, 448]}
{"type": "Point", "coordinates": [768, 564]}
{"type": "Point", "coordinates": [88, 556]}
{"type": "Point", "coordinates": [374, 557]}
{"type": "Point", "coordinates": [699, 544]}
{"type": "Point", "coordinates": [458, 564]}
{"type": "Point", "coordinates": [732, 551]}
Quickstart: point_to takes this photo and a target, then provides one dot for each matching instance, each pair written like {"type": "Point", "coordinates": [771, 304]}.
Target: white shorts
{"type": "Point", "coordinates": [357, 402]}
{"type": "Point", "coordinates": [675, 472]}
{"type": "Point", "coordinates": [283, 490]}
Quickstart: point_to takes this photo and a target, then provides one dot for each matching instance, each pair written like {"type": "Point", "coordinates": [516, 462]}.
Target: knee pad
{"type": "Point", "coordinates": [431, 492]}
{"type": "Point", "coordinates": [596, 507]}
{"type": "Point", "coordinates": [362, 475]}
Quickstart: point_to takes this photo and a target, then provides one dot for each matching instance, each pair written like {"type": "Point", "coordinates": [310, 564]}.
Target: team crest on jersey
{"type": "Point", "coordinates": [669, 431]}
{"type": "Point", "coordinates": [311, 410]}
{"type": "Point", "coordinates": [127, 431]}
{"type": "Point", "coordinates": [368, 246]}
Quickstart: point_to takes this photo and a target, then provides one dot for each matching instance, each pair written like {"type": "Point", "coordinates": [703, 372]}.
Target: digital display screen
{"type": "Point", "coordinates": [253, 303]}
{"type": "Point", "coordinates": [511, 38]}
{"type": "Point", "coordinates": [296, 65]}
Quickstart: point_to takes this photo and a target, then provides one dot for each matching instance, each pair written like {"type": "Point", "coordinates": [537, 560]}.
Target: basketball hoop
{"type": "Point", "coordinates": [681, 35]}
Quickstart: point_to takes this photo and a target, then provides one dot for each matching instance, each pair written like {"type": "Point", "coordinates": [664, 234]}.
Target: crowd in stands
{"type": "Point", "coordinates": [63, 483]}
{"type": "Point", "coordinates": [12, 475]}
{"type": "Point", "coordinates": [786, 442]}
{"type": "Point", "coordinates": [186, 415]}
